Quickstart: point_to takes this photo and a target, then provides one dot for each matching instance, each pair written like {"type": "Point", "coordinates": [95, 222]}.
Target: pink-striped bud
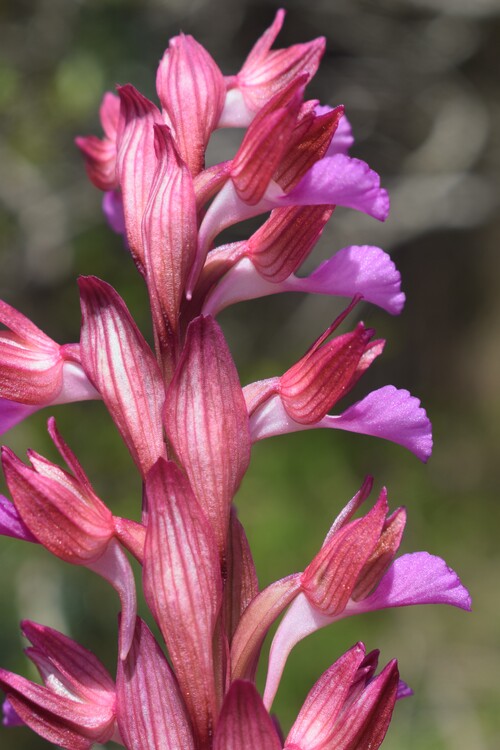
{"type": "Point", "coordinates": [75, 708]}
{"type": "Point", "coordinates": [267, 71]}
{"type": "Point", "coordinates": [347, 707]}
{"type": "Point", "coordinates": [191, 89]}
{"type": "Point", "coordinates": [100, 153]}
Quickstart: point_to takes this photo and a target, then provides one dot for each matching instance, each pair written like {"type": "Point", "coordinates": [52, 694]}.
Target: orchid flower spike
{"type": "Point", "coordinates": [175, 397]}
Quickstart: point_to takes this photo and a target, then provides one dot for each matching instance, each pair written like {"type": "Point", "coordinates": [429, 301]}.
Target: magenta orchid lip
{"type": "Point", "coordinates": [189, 425]}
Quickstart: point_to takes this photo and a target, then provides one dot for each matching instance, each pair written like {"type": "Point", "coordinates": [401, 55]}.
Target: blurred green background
{"type": "Point", "coordinates": [419, 79]}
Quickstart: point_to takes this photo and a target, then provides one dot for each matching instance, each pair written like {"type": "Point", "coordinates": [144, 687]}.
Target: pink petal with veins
{"type": "Point", "coordinates": [207, 422]}
{"type": "Point", "coordinates": [266, 71]}
{"type": "Point", "coordinates": [150, 709]}
{"type": "Point", "coordinates": [358, 269]}
{"type": "Point", "coordinates": [122, 367]}
{"type": "Point", "coordinates": [191, 89]}
{"type": "Point", "coordinates": [315, 724]}
{"type": "Point", "coordinates": [183, 587]}
{"type": "Point", "coordinates": [169, 237]}
{"type": "Point", "coordinates": [136, 162]}
{"type": "Point", "coordinates": [244, 722]}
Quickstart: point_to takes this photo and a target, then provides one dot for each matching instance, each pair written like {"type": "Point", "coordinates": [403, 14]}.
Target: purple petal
{"type": "Point", "coordinates": [10, 717]}
{"type": "Point", "coordinates": [387, 413]}
{"type": "Point", "coordinates": [342, 139]}
{"type": "Point", "coordinates": [404, 691]}
{"type": "Point", "coordinates": [11, 523]}
{"type": "Point", "coordinates": [112, 206]}
{"type": "Point", "coordinates": [390, 413]}
{"type": "Point", "coordinates": [11, 413]}
{"type": "Point", "coordinates": [358, 269]}
{"type": "Point", "coordinates": [342, 181]}
{"type": "Point", "coordinates": [417, 578]}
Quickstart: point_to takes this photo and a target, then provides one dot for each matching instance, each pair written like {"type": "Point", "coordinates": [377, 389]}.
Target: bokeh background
{"type": "Point", "coordinates": [419, 79]}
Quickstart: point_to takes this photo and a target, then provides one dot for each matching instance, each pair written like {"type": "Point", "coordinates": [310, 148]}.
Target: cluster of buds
{"type": "Point", "coordinates": [189, 424]}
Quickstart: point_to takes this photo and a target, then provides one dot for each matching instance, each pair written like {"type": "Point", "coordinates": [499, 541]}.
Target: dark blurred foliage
{"type": "Point", "coordinates": [419, 79]}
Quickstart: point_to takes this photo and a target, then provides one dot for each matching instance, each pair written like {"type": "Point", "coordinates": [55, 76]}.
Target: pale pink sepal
{"type": "Point", "coordinates": [226, 209]}
{"type": "Point", "coordinates": [300, 620]}
{"type": "Point", "coordinates": [183, 587]}
{"type": "Point", "coordinates": [150, 710]}
{"type": "Point", "coordinates": [266, 71]}
{"type": "Point", "coordinates": [115, 568]}
{"type": "Point", "coordinates": [343, 181]}
{"type": "Point", "coordinates": [121, 365]}
{"type": "Point", "coordinates": [136, 162]}
{"type": "Point", "coordinates": [244, 723]}
{"type": "Point", "coordinates": [316, 722]}
{"type": "Point", "coordinates": [235, 113]}
{"type": "Point", "coordinates": [65, 665]}
{"type": "Point", "coordinates": [11, 523]}
{"type": "Point", "coordinates": [389, 413]}
{"type": "Point", "coordinates": [170, 236]}
{"type": "Point", "coordinates": [191, 89]}
{"type": "Point", "coordinates": [255, 622]}
{"type": "Point", "coordinates": [207, 422]}
{"type": "Point", "coordinates": [416, 578]}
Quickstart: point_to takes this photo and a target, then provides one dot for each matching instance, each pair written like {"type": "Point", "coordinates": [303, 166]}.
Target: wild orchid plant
{"type": "Point", "coordinates": [189, 425]}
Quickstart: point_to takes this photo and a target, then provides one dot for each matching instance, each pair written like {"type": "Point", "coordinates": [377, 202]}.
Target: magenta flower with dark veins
{"type": "Point", "coordinates": [189, 425]}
